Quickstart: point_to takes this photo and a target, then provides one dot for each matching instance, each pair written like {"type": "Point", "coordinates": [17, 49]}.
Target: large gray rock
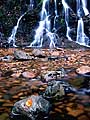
{"type": "Point", "coordinates": [57, 89]}
{"type": "Point", "coordinates": [20, 55]}
{"type": "Point", "coordinates": [31, 107]}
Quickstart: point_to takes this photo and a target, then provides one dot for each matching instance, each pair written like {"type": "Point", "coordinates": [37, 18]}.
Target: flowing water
{"type": "Point", "coordinates": [44, 28]}
{"type": "Point", "coordinates": [67, 10]}
{"type": "Point", "coordinates": [46, 31]}
{"type": "Point", "coordinates": [12, 38]}
{"type": "Point", "coordinates": [82, 39]}
{"type": "Point", "coordinates": [31, 4]}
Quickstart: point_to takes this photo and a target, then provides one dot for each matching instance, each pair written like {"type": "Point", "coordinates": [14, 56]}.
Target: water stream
{"type": "Point", "coordinates": [82, 39]}
{"type": "Point", "coordinates": [44, 29]}
{"type": "Point", "coordinates": [45, 33]}
{"type": "Point", "coordinates": [67, 9]}
{"type": "Point", "coordinates": [12, 38]}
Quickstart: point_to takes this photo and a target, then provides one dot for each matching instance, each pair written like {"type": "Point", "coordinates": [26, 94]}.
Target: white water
{"type": "Point", "coordinates": [45, 27]}
{"type": "Point", "coordinates": [12, 38]}
{"type": "Point", "coordinates": [31, 4]}
{"type": "Point", "coordinates": [66, 9]}
{"type": "Point", "coordinates": [84, 5]}
{"type": "Point", "coordinates": [82, 39]}
{"type": "Point", "coordinates": [56, 14]}
{"type": "Point", "coordinates": [80, 32]}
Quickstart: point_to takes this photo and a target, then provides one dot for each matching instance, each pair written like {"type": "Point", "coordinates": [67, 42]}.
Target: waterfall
{"type": "Point", "coordinates": [80, 32]}
{"type": "Point", "coordinates": [12, 38]}
{"type": "Point", "coordinates": [82, 39]}
{"type": "Point", "coordinates": [67, 9]}
{"type": "Point", "coordinates": [84, 5]}
{"type": "Point", "coordinates": [44, 28]}
{"type": "Point", "coordinates": [56, 14]}
{"type": "Point", "coordinates": [47, 27]}
{"type": "Point", "coordinates": [44, 25]}
{"type": "Point", "coordinates": [82, 10]}
{"type": "Point", "coordinates": [31, 4]}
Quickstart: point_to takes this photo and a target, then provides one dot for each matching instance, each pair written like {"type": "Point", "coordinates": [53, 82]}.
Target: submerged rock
{"type": "Point", "coordinates": [30, 108]}
{"type": "Point", "coordinates": [29, 74]}
{"type": "Point", "coordinates": [38, 53]}
{"type": "Point", "coordinates": [7, 58]}
{"type": "Point", "coordinates": [84, 70]}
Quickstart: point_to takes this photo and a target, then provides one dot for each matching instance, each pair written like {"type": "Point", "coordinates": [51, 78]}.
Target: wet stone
{"type": "Point", "coordinates": [34, 89]}
{"type": "Point", "coordinates": [29, 74]}
{"type": "Point", "coordinates": [74, 97]}
{"type": "Point", "coordinates": [55, 74]}
{"type": "Point", "coordinates": [7, 105]}
{"type": "Point", "coordinates": [69, 104]}
{"type": "Point", "coordinates": [75, 113]}
{"type": "Point", "coordinates": [21, 55]}
{"type": "Point", "coordinates": [16, 75]}
{"type": "Point", "coordinates": [57, 89]}
{"type": "Point", "coordinates": [58, 110]}
{"type": "Point", "coordinates": [7, 73]}
{"type": "Point", "coordinates": [84, 70]}
{"type": "Point", "coordinates": [2, 100]}
{"type": "Point", "coordinates": [38, 53]}
{"type": "Point", "coordinates": [55, 53]}
{"type": "Point", "coordinates": [4, 116]}
{"type": "Point", "coordinates": [83, 117]}
{"type": "Point", "coordinates": [7, 96]}
{"type": "Point", "coordinates": [31, 107]}
{"type": "Point", "coordinates": [7, 58]}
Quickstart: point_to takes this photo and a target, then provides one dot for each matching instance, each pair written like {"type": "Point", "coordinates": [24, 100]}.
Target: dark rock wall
{"type": "Point", "coordinates": [11, 10]}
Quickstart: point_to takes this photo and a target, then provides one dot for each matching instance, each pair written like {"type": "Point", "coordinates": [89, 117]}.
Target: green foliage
{"type": "Point", "coordinates": [1, 14]}
{"type": "Point", "coordinates": [62, 21]}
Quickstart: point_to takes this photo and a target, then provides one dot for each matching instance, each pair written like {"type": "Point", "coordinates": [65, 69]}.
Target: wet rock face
{"type": "Point", "coordinates": [31, 108]}
{"type": "Point", "coordinates": [57, 89]}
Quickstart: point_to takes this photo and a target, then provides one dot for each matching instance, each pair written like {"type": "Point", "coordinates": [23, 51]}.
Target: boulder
{"type": "Point", "coordinates": [31, 107]}
{"type": "Point", "coordinates": [20, 55]}
{"type": "Point", "coordinates": [57, 89]}
{"type": "Point", "coordinates": [38, 53]}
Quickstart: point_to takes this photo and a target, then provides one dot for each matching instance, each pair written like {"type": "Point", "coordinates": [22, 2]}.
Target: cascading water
{"type": "Point", "coordinates": [84, 5]}
{"type": "Point", "coordinates": [67, 9]}
{"type": "Point", "coordinates": [82, 10]}
{"type": "Point", "coordinates": [46, 31]}
{"type": "Point", "coordinates": [12, 38]}
{"type": "Point", "coordinates": [82, 39]}
{"type": "Point", "coordinates": [44, 28]}
{"type": "Point", "coordinates": [31, 4]}
{"type": "Point", "coordinates": [56, 15]}
{"type": "Point", "coordinates": [14, 31]}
